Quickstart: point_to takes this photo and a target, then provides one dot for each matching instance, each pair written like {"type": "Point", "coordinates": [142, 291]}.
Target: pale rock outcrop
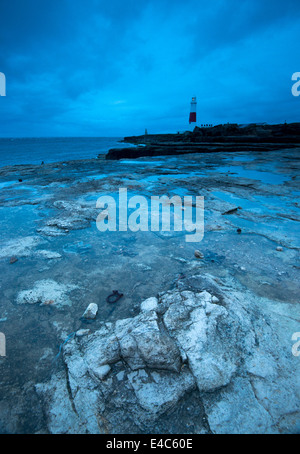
{"type": "Point", "coordinates": [227, 356]}
{"type": "Point", "coordinates": [47, 291]}
{"type": "Point", "coordinates": [91, 311]}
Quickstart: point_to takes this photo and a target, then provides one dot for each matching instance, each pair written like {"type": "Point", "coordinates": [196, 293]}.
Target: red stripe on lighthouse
{"type": "Point", "coordinates": [193, 117]}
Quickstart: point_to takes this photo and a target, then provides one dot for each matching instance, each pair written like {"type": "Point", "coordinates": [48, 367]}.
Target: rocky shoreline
{"type": "Point", "coordinates": [217, 139]}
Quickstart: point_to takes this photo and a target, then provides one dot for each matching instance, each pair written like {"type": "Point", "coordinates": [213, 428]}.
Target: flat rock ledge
{"type": "Point", "coordinates": [189, 362]}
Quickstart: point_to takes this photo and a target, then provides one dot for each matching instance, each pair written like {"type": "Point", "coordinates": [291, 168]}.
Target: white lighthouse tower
{"type": "Point", "coordinates": [193, 112]}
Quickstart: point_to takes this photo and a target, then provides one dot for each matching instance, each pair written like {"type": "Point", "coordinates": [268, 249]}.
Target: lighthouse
{"type": "Point", "coordinates": [193, 114]}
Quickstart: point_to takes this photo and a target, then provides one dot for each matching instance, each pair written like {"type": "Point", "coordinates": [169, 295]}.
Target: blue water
{"type": "Point", "coordinates": [36, 150]}
{"type": "Point", "coordinates": [266, 177]}
{"type": "Point", "coordinates": [259, 204]}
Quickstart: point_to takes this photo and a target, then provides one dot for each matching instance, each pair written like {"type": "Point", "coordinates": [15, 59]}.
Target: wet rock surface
{"type": "Point", "coordinates": [219, 357]}
{"type": "Point", "coordinates": [128, 375]}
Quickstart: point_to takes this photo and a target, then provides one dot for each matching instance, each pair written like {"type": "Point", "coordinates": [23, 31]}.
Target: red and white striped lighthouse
{"type": "Point", "coordinates": [193, 113]}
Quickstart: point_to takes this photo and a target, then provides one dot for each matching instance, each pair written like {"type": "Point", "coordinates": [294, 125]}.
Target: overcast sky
{"type": "Point", "coordinates": [114, 68]}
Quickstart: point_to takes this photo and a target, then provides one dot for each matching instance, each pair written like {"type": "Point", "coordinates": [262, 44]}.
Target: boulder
{"type": "Point", "coordinates": [91, 312]}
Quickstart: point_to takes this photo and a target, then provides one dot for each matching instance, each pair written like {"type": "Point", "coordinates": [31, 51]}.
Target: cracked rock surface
{"type": "Point", "coordinates": [199, 359]}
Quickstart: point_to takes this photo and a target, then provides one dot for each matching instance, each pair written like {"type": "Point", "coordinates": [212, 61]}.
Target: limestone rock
{"type": "Point", "coordinates": [20, 247]}
{"type": "Point", "coordinates": [149, 304]}
{"type": "Point", "coordinates": [237, 411]}
{"type": "Point", "coordinates": [48, 254]}
{"type": "Point", "coordinates": [135, 374]}
{"type": "Point", "coordinates": [82, 332]}
{"type": "Point", "coordinates": [91, 311]}
{"type": "Point", "coordinates": [47, 290]}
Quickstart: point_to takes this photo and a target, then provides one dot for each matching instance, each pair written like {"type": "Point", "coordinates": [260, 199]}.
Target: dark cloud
{"type": "Point", "coordinates": [113, 67]}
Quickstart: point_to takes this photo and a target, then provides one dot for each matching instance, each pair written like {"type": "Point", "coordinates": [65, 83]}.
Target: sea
{"type": "Point", "coordinates": [37, 150]}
